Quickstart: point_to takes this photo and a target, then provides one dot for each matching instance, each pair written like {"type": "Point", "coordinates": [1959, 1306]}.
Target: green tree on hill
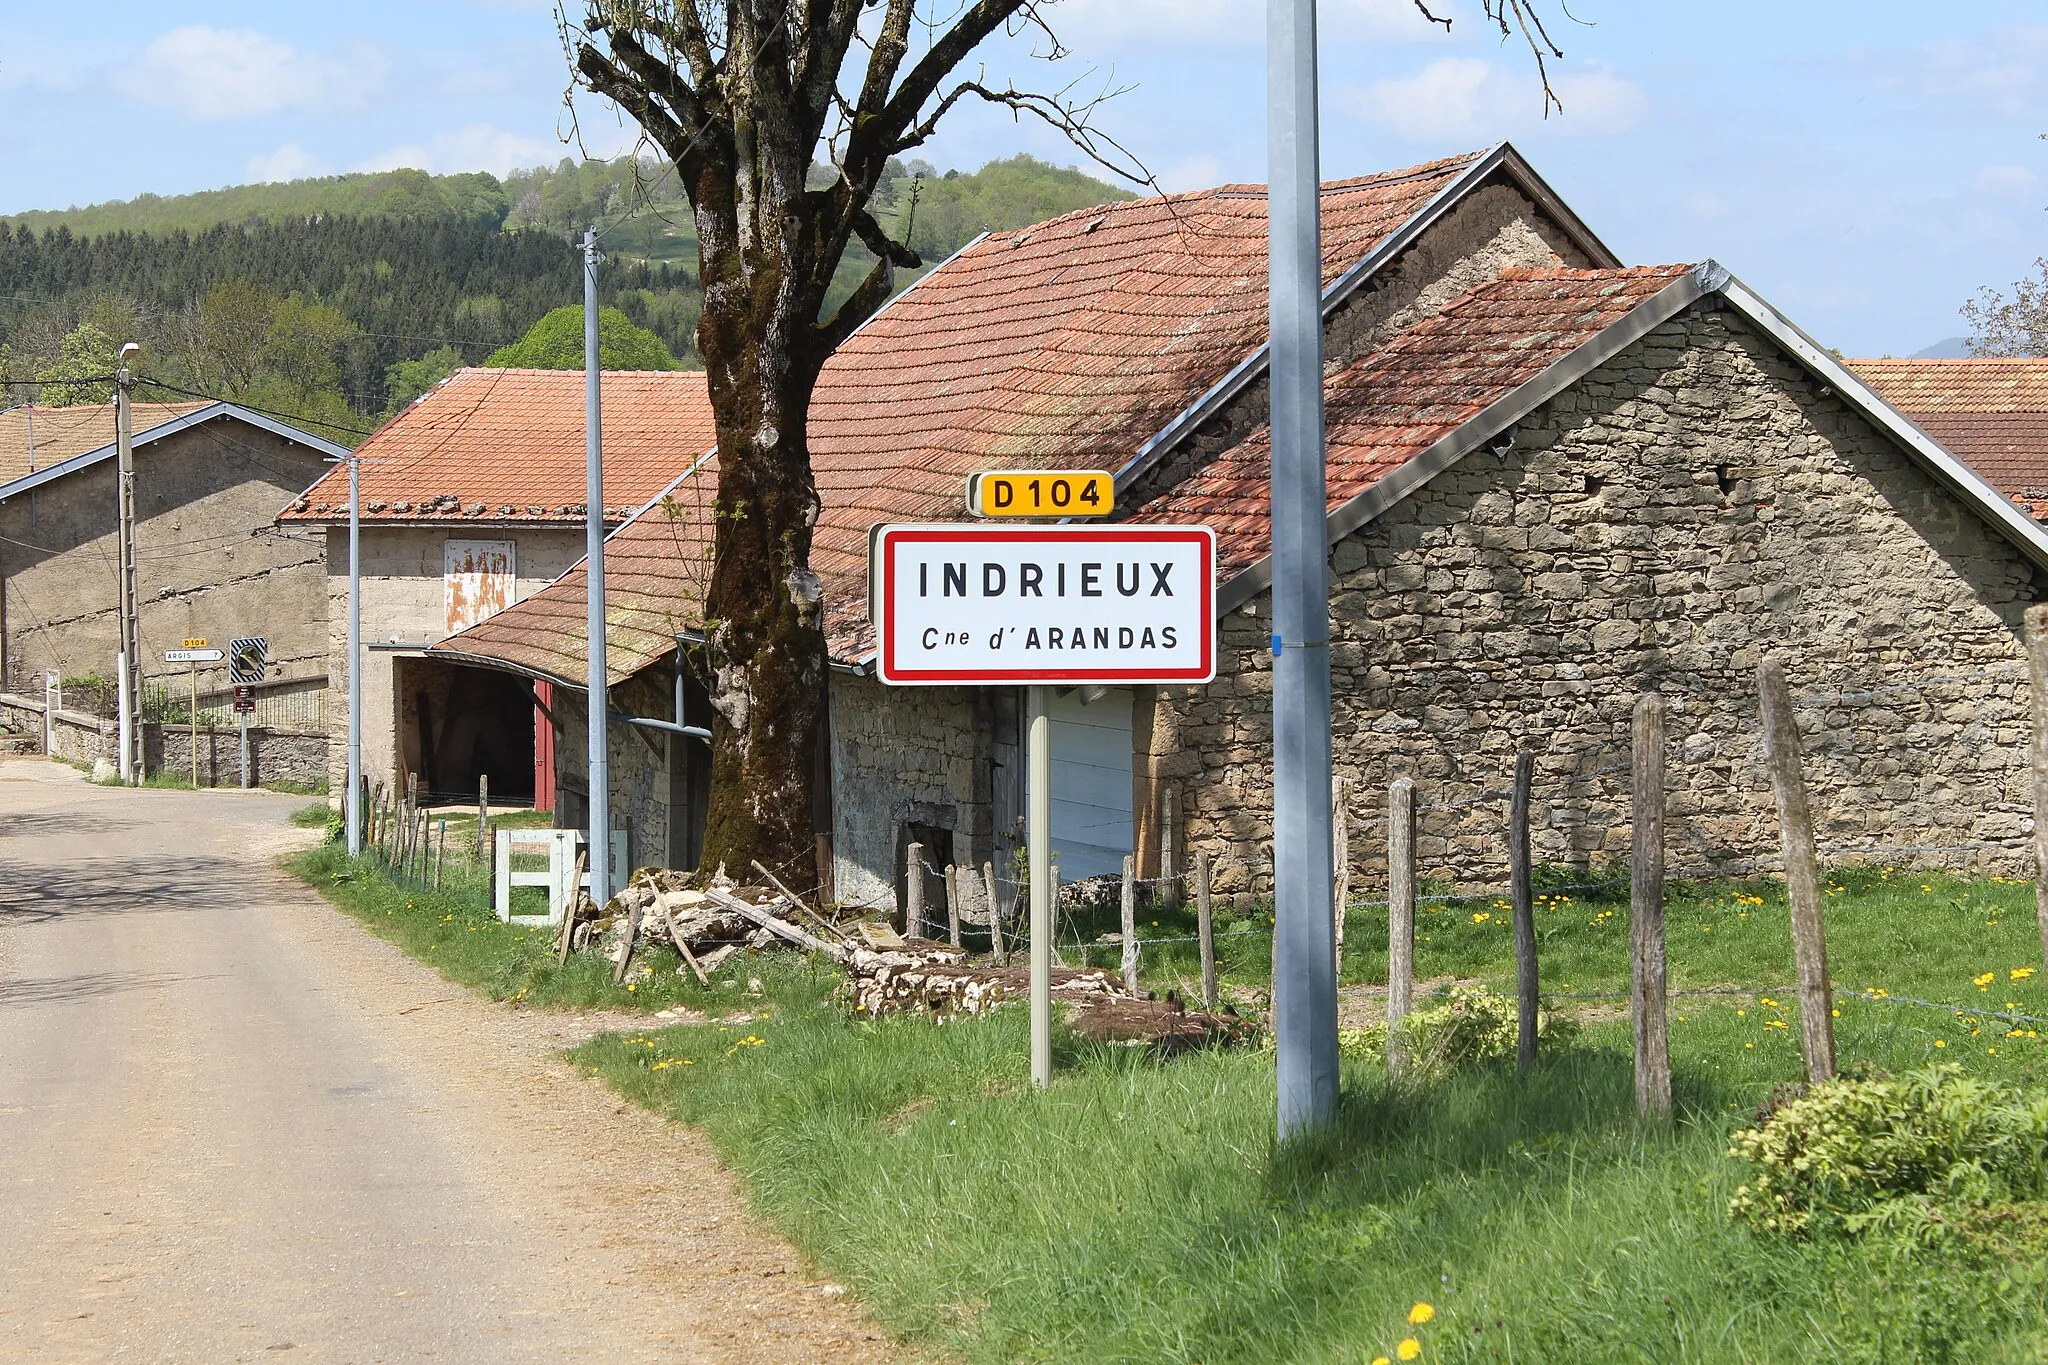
{"type": "Point", "coordinates": [556, 343]}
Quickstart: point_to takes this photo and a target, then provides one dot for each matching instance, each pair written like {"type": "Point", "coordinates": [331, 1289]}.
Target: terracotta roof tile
{"type": "Point", "coordinates": [61, 433]}
{"type": "Point", "coordinates": [1397, 401]}
{"type": "Point", "coordinates": [1070, 342]}
{"type": "Point", "coordinates": [507, 445]}
{"type": "Point", "coordinates": [1992, 413]}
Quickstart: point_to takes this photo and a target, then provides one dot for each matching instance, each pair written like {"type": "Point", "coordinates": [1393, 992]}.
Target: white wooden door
{"type": "Point", "coordinates": [1091, 783]}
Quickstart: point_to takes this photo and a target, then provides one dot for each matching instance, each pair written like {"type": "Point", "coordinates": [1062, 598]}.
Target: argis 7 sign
{"type": "Point", "coordinates": [971, 604]}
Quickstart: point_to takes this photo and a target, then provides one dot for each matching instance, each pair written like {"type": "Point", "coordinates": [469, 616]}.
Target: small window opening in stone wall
{"type": "Point", "coordinates": [1594, 483]}
{"type": "Point", "coordinates": [1725, 478]}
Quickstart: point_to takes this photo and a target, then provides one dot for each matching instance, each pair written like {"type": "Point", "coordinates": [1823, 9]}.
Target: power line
{"type": "Point", "coordinates": [297, 417]}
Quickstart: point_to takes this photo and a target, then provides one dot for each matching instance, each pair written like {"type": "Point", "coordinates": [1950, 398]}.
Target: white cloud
{"type": "Point", "coordinates": [477, 147]}
{"type": "Point", "coordinates": [1473, 99]}
{"type": "Point", "coordinates": [1192, 173]}
{"type": "Point", "coordinates": [2004, 180]}
{"type": "Point", "coordinates": [213, 74]}
{"type": "Point", "coordinates": [2004, 74]}
{"type": "Point", "coordinates": [289, 162]}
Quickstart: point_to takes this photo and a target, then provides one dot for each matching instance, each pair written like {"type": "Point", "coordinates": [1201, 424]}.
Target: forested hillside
{"type": "Point", "coordinates": [340, 299]}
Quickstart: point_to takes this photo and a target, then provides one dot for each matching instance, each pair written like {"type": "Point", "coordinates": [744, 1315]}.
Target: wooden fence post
{"type": "Point", "coordinates": [1057, 960]}
{"type": "Point", "coordinates": [1802, 874]}
{"type": "Point", "coordinates": [1130, 911]}
{"type": "Point", "coordinates": [1205, 930]}
{"type": "Point", "coordinates": [953, 904]}
{"type": "Point", "coordinates": [995, 916]}
{"type": "Point", "coordinates": [1400, 916]}
{"type": "Point", "coordinates": [575, 905]}
{"type": "Point", "coordinates": [440, 851]}
{"type": "Point", "coordinates": [1646, 911]}
{"type": "Point", "coordinates": [1523, 892]}
{"type": "Point", "coordinates": [2037, 664]}
{"type": "Point", "coordinates": [913, 891]}
{"type": "Point", "coordinates": [1340, 849]}
{"type": "Point", "coordinates": [483, 815]}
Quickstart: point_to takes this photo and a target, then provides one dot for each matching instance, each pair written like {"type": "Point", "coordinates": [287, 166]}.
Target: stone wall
{"type": "Point", "coordinates": [638, 759]}
{"type": "Point", "coordinates": [1694, 506]}
{"type": "Point", "coordinates": [79, 737]}
{"type": "Point", "coordinates": [296, 758]}
{"type": "Point", "coordinates": [208, 562]}
{"type": "Point", "coordinates": [903, 756]}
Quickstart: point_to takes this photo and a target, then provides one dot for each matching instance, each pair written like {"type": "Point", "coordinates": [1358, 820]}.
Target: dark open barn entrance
{"type": "Point", "coordinates": [460, 723]}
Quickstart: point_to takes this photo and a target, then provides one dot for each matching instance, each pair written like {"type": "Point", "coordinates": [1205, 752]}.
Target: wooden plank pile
{"type": "Point", "coordinates": [706, 920]}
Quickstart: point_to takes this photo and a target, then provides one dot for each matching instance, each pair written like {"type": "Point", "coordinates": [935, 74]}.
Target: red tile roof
{"type": "Point", "coordinates": [1069, 343]}
{"type": "Point", "coordinates": [507, 445]}
{"type": "Point", "coordinates": [1992, 413]}
{"type": "Point", "coordinates": [1072, 342]}
{"type": "Point", "coordinates": [1397, 401]}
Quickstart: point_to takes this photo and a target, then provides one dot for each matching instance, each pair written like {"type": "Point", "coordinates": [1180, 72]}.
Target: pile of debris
{"type": "Point", "coordinates": [705, 919]}
{"type": "Point", "coordinates": [919, 976]}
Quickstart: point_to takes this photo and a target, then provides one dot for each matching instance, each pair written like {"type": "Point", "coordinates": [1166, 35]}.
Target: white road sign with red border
{"type": "Point", "coordinates": [967, 604]}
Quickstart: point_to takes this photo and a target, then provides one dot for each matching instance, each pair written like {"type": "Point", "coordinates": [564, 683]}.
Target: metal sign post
{"type": "Point", "coordinates": [192, 655]}
{"type": "Point", "coordinates": [248, 661]}
{"type": "Point", "coordinates": [1304, 941]}
{"type": "Point", "coordinates": [979, 605]}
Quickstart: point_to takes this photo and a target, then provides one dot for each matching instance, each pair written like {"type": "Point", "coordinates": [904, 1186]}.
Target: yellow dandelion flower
{"type": "Point", "coordinates": [1941, 1042]}
{"type": "Point", "coordinates": [2020, 973]}
{"type": "Point", "coordinates": [1420, 1314]}
{"type": "Point", "coordinates": [1381, 1360]}
{"type": "Point", "coordinates": [1408, 1349]}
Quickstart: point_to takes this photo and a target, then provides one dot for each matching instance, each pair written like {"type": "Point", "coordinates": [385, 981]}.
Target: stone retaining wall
{"type": "Point", "coordinates": [1694, 506]}
{"type": "Point", "coordinates": [294, 757]}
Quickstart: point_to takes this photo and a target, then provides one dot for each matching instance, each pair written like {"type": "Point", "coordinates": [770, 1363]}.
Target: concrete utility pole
{"type": "Point", "coordinates": [352, 801]}
{"type": "Point", "coordinates": [600, 690]}
{"type": "Point", "coordinates": [1038, 839]}
{"type": "Point", "coordinates": [1304, 946]}
{"type": "Point", "coordinates": [129, 669]}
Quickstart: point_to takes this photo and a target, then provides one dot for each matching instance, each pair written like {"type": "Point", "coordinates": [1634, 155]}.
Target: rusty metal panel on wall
{"type": "Point", "coordinates": [481, 578]}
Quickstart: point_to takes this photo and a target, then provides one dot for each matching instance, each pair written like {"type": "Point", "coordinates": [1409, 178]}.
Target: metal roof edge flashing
{"type": "Point", "coordinates": [1497, 417]}
{"type": "Point", "coordinates": [1502, 156]}
{"type": "Point", "coordinates": [2029, 536]}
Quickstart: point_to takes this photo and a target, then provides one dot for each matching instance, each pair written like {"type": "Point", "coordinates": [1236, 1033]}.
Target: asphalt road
{"type": "Point", "coordinates": [236, 1126]}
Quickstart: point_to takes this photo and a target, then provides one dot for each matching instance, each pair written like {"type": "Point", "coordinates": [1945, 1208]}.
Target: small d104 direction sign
{"type": "Point", "coordinates": [1041, 493]}
{"type": "Point", "coordinates": [1002, 605]}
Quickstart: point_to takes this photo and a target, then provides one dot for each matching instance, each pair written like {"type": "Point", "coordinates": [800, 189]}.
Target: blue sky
{"type": "Point", "coordinates": [1865, 166]}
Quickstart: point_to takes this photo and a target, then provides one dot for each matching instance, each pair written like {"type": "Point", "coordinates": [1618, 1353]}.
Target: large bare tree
{"type": "Point", "coordinates": [744, 97]}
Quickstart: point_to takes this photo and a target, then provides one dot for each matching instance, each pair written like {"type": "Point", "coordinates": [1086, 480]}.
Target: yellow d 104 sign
{"type": "Point", "coordinates": [1041, 493]}
{"type": "Point", "coordinates": [197, 642]}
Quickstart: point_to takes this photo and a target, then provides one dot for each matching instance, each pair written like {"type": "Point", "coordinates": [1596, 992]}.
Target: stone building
{"type": "Point", "coordinates": [210, 563]}
{"type": "Point", "coordinates": [1554, 483]}
{"type": "Point", "coordinates": [472, 499]}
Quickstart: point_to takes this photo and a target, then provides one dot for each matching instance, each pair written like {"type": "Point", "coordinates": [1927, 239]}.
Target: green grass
{"type": "Point", "coordinates": [1138, 1211]}
{"type": "Point", "coordinates": [454, 931]}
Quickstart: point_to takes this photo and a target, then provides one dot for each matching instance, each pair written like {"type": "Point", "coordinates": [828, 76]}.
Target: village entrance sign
{"type": "Point", "coordinates": [1042, 606]}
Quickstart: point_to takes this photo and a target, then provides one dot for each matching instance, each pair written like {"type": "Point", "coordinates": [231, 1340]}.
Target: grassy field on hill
{"type": "Point", "coordinates": [1139, 1211]}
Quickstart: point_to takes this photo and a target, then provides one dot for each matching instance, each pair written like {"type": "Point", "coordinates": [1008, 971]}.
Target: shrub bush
{"type": "Point", "coordinates": [1467, 1026]}
{"type": "Point", "coordinates": [1919, 1155]}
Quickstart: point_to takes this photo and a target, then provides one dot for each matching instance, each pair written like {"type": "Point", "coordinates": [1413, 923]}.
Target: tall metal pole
{"type": "Point", "coordinates": [1038, 841]}
{"type": "Point", "coordinates": [1304, 947]}
{"type": "Point", "coordinates": [130, 680]}
{"type": "Point", "coordinates": [600, 691]}
{"type": "Point", "coordinates": [352, 803]}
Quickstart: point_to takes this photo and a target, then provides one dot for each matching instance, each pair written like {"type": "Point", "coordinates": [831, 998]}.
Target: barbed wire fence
{"type": "Point", "coordinates": [1846, 743]}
